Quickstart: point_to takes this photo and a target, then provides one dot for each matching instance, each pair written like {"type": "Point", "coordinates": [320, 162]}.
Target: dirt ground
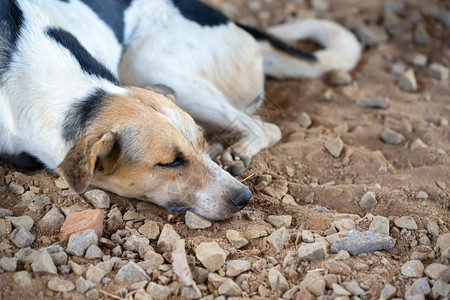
{"type": "Point", "coordinates": [315, 179]}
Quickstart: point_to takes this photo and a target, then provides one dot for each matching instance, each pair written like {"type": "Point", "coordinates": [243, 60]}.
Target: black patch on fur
{"type": "Point", "coordinates": [278, 44]}
{"type": "Point", "coordinates": [23, 160]}
{"type": "Point", "coordinates": [82, 114]}
{"type": "Point", "coordinates": [87, 62]}
{"type": "Point", "coordinates": [175, 207]}
{"type": "Point", "coordinates": [112, 13]}
{"type": "Point", "coordinates": [200, 13]}
{"type": "Point", "coordinates": [11, 20]}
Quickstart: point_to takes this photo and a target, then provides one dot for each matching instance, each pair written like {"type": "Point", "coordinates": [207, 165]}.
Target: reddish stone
{"type": "Point", "coordinates": [79, 221]}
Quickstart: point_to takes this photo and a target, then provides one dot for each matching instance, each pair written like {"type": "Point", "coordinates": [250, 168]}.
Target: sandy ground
{"type": "Point", "coordinates": [395, 173]}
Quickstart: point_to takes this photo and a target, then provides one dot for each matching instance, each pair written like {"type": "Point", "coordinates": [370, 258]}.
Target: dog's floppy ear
{"type": "Point", "coordinates": [78, 166]}
{"type": "Point", "coordinates": [168, 92]}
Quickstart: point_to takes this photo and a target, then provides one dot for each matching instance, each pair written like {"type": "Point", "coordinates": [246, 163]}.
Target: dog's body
{"type": "Point", "coordinates": [61, 102]}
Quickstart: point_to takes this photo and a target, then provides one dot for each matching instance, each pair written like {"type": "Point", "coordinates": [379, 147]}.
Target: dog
{"type": "Point", "coordinates": [87, 88]}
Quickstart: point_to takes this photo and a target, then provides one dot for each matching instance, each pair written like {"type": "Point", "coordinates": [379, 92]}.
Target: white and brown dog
{"type": "Point", "coordinates": [62, 103]}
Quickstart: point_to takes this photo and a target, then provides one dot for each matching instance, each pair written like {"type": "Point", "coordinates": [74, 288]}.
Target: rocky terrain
{"type": "Point", "coordinates": [353, 203]}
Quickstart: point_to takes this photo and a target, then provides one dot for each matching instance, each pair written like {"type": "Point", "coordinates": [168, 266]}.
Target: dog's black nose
{"type": "Point", "coordinates": [241, 198]}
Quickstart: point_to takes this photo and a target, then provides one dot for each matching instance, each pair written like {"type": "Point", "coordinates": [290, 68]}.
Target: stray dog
{"type": "Point", "coordinates": [62, 105]}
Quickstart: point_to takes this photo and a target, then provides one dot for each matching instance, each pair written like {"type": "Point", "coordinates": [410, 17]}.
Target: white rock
{"type": "Point", "coordinates": [80, 241]}
{"type": "Point", "coordinates": [235, 238]}
{"type": "Point", "coordinates": [131, 273]}
{"type": "Point", "coordinates": [413, 268]}
{"type": "Point", "coordinates": [312, 252]}
{"type": "Point", "coordinates": [230, 288]}
{"type": "Point", "coordinates": [307, 236]}
{"type": "Point", "coordinates": [406, 222]}
{"type": "Point", "coordinates": [93, 252]}
{"type": "Point", "coordinates": [279, 238]}
{"type": "Point", "coordinates": [194, 221]}
{"type": "Point", "coordinates": [210, 255]}
{"type": "Point", "coordinates": [157, 291]}
{"type": "Point", "coordinates": [168, 235]}
{"type": "Point", "coordinates": [380, 224]}
{"type": "Point", "coordinates": [334, 146]}
{"type": "Point", "coordinates": [60, 285]}
{"type": "Point", "coordinates": [236, 267]}
{"type": "Point", "coordinates": [98, 198]}
{"type": "Point", "coordinates": [277, 281]}
{"type": "Point", "coordinates": [280, 221]}
{"type": "Point", "coordinates": [150, 230]}
{"type": "Point", "coordinates": [407, 81]}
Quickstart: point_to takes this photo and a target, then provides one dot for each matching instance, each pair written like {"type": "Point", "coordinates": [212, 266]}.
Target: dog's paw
{"type": "Point", "coordinates": [234, 159]}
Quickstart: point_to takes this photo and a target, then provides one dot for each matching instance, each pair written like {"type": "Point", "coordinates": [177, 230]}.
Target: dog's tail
{"type": "Point", "coordinates": [341, 48]}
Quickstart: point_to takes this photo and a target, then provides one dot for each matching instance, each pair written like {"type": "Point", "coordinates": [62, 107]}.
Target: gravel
{"type": "Point", "coordinates": [407, 81]}
{"type": "Point", "coordinates": [280, 221]}
{"type": "Point", "coordinates": [419, 287]}
{"type": "Point", "coordinates": [99, 199]}
{"type": "Point", "coordinates": [21, 237]}
{"type": "Point", "coordinates": [150, 230]}
{"type": "Point", "coordinates": [235, 238]}
{"type": "Point", "coordinates": [210, 255]}
{"type": "Point", "coordinates": [277, 281]}
{"type": "Point", "coordinates": [53, 220]}
{"type": "Point", "coordinates": [43, 263]}
{"type": "Point", "coordinates": [229, 288]}
{"type": "Point", "coordinates": [406, 222]}
{"type": "Point", "coordinates": [368, 201]}
{"type": "Point", "coordinates": [279, 238]}
{"type": "Point", "coordinates": [380, 225]}
{"type": "Point", "coordinates": [372, 35]}
{"type": "Point", "coordinates": [361, 242]}
{"type": "Point", "coordinates": [388, 291]}
{"type": "Point", "coordinates": [80, 241]}
{"type": "Point", "coordinates": [312, 252]}
{"type": "Point", "coordinates": [236, 267]}
{"type": "Point", "coordinates": [413, 268]}
{"type": "Point", "coordinates": [392, 137]}
{"type": "Point", "coordinates": [22, 278]}
{"type": "Point", "coordinates": [167, 236]}
{"type": "Point", "coordinates": [334, 146]}
{"type": "Point", "coordinates": [194, 221]}
{"type": "Point", "coordinates": [304, 120]}
{"type": "Point", "coordinates": [373, 103]}
{"type": "Point", "coordinates": [23, 221]}
{"type": "Point", "coordinates": [8, 264]}
{"type": "Point", "coordinates": [131, 273]}
{"type": "Point", "coordinates": [438, 71]}
{"type": "Point", "coordinates": [339, 78]}
{"type": "Point", "coordinates": [60, 285]}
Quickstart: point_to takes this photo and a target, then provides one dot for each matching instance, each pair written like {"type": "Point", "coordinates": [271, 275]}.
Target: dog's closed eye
{"type": "Point", "coordinates": [178, 162]}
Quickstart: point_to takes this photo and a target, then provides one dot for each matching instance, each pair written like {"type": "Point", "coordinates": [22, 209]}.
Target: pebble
{"type": "Point", "coordinates": [372, 36]}
{"type": "Point", "coordinates": [93, 252]}
{"type": "Point", "coordinates": [443, 242]}
{"type": "Point", "coordinates": [114, 221]}
{"type": "Point", "coordinates": [418, 144]}
{"type": "Point", "coordinates": [277, 189]}
{"type": "Point", "coordinates": [80, 241]}
{"type": "Point", "coordinates": [16, 188]}
{"type": "Point", "coordinates": [368, 201]}
{"type": "Point", "coordinates": [91, 219]}
{"type": "Point", "coordinates": [361, 242]}
{"type": "Point", "coordinates": [22, 278]}
{"type": "Point", "coordinates": [342, 255]}
{"type": "Point", "coordinates": [24, 221]}
{"type": "Point", "coordinates": [339, 78]}
{"type": "Point", "coordinates": [95, 274]}
{"type": "Point", "coordinates": [131, 273]}
{"type": "Point", "coordinates": [312, 252]}
{"type": "Point", "coordinates": [235, 238]}
{"type": "Point", "coordinates": [229, 288]}
{"type": "Point", "coordinates": [71, 209]}
{"type": "Point", "coordinates": [380, 225]}
{"type": "Point", "coordinates": [433, 228]}
{"type": "Point", "coordinates": [320, 6]}
{"type": "Point", "coordinates": [215, 279]}
{"type": "Point", "coordinates": [445, 275]}
{"type": "Point", "coordinates": [406, 222]}
{"type": "Point", "coordinates": [422, 195]}
{"type": "Point", "coordinates": [407, 81]}
{"type": "Point", "coordinates": [304, 120]}
{"type": "Point", "coordinates": [413, 268]}
{"type": "Point", "coordinates": [344, 224]}
{"type": "Point", "coordinates": [194, 221]}
{"type": "Point", "coordinates": [373, 103]}
{"type": "Point", "coordinates": [307, 236]}
{"type": "Point", "coordinates": [60, 285]}
{"type": "Point", "coordinates": [158, 291]}
{"type": "Point", "coordinates": [99, 199]}
{"type": "Point", "coordinates": [419, 287]}
{"type": "Point", "coordinates": [53, 220]}
{"type": "Point", "coordinates": [43, 263]}
{"type": "Point", "coordinates": [315, 284]}
{"type": "Point", "coordinates": [76, 268]}
{"type": "Point", "coordinates": [255, 233]}
{"type": "Point", "coordinates": [434, 270]}
{"type": "Point", "coordinates": [339, 290]}
{"type": "Point", "coordinates": [5, 227]}
{"type": "Point", "coordinates": [280, 221]}
{"type": "Point", "coordinates": [9, 264]}
{"type": "Point", "coordinates": [419, 60]}
{"type": "Point", "coordinates": [236, 267]}
{"type": "Point", "coordinates": [392, 137]}
{"type": "Point", "coordinates": [395, 7]}
{"type": "Point", "coordinates": [210, 255]}
{"type": "Point", "coordinates": [354, 288]}
{"type": "Point", "coordinates": [277, 281]}
{"type": "Point", "coordinates": [150, 230]}
{"type": "Point", "coordinates": [92, 294]}
{"type": "Point", "coordinates": [421, 36]}
{"type": "Point", "coordinates": [21, 237]}
{"type": "Point", "coordinates": [279, 238]}
{"type": "Point", "coordinates": [388, 291]}
{"type": "Point", "coordinates": [83, 285]}
{"type": "Point", "coordinates": [334, 146]}
{"type": "Point", "coordinates": [167, 236]}
{"type": "Point", "coordinates": [438, 71]}
{"type": "Point", "coordinates": [398, 68]}
{"type": "Point", "coordinates": [441, 288]}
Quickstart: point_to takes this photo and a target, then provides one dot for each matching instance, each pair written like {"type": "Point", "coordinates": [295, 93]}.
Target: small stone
{"type": "Point", "coordinates": [307, 236]}
{"type": "Point", "coordinates": [16, 188]}
{"type": "Point", "coordinates": [157, 291]}
{"type": "Point", "coordinates": [150, 230]}
{"type": "Point", "coordinates": [315, 284]}
{"type": "Point", "coordinates": [60, 285]}
{"type": "Point", "coordinates": [441, 184]}
{"type": "Point", "coordinates": [412, 268]}
{"type": "Point", "coordinates": [344, 224]}
{"type": "Point", "coordinates": [288, 200]}
{"type": "Point", "coordinates": [418, 144]}
{"type": "Point", "coordinates": [372, 36]}
{"type": "Point", "coordinates": [312, 252]}
{"type": "Point", "coordinates": [210, 255]}
{"type": "Point", "coordinates": [398, 68]}
{"type": "Point", "coordinates": [425, 241]}
{"type": "Point", "coordinates": [194, 221]}
{"type": "Point", "coordinates": [79, 221]}
{"type": "Point", "coordinates": [59, 258]}
{"type": "Point", "coordinates": [388, 291]}
{"type": "Point", "coordinates": [9, 264]}
{"type": "Point", "coordinates": [83, 285]}
{"type": "Point", "coordinates": [340, 291]}
{"type": "Point", "coordinates": [5, 212]}
{"type": "Point", "coordinates": [279, 238]}
{"type": "Point", "coordinates": [71, 209]}
{"type": "Point", "coordinates": [133, 216]}
{"type": "Point", "coordinates": [443, 242]}
{"type": "Point", "coordinates": [304, 120]}
{"type": "Point", "coordinates": [433, 228]}
{"type": "Point", "coordinates": [53, 220]}
{"type": "Point", "coordinates": [406, 222]}
{"type": "Point", "coordinates": [114, 220]}
{"type": "Point", "coordinates": [380, 225]}
{"type": "Point", "coordinates": [280, 221]}
{"type": "Point", "coordinates": [215, 279]}
{"type": "Point", "coordinates": [407, 81]}
{"type": "Point", "coordinates": [24, 221]}
{"type": "Point", "coordinates": [98, 198]}
{"type": "Point", "coordinates": [21, 237]}
{"type": "Point", "coordinates": [277, 281]}
{"type": "Point", "coordinates": [438, 71]}
{"type": "Point", "coordinates": [277, 189]}
{"type": "Point", "coordinates": [394, 7]}
{"type": "Point", "coordinates": [92, 294]}
{"type": "Point", "coordinates": [419, 60]}
{"type": "Point", "coordinates": [236, 267]}
{"type": "Point", "coordinates": [43, 263]}
{"type": "Point", "coordinates": [167, 236]}
{"type": "Point", "coordinates": [131, 273]}
{"type": "Point", "coordinates": [320, 6]}
{"type": "Point", "coordinates": [434, 270]}
{"type": "Point", "coordinates": [339, 78]}
{"type": "Point", "coordinates": [61, 183]}
{"type": "Point", "coordinates": [22, 278]}
{"type": "Point", "coordinates": [334, 146]}
{"type": "Point", "coordinates": [93, 252]}
{"type": "Point", "coordinates": [95, 274]}
{"type": "Point", "coordinates": [373, 103]}
{"type": "Point", "coordinates": [442, 288]}
{"type": "Point", "coordinates": [419, 287]}
{"type": "Point", "coordinates": [229, 288]}
{"type": "Point", "coordinates": [80, 241]}
{"type": "Point", "coordinates": [354, 288]}
{"type": "Point", "coordinates": [392, 137]}
{"type": "Point", "coordinates": [422, 195]}
{"type": "Point", "coordinates": [368, 201]}
{"type": "Point", "coordinates": [421, 36]}
{"type": "Point", "coordinates": [342, 255]}
{"type": "Point", "coordinates": [76, 268]}
{"type": "Point", "coordinates": [255, 234]}
{"type": "Point", "coordinates": [361, 242]}
{"type": "Point", "coordinates": [445, 275]}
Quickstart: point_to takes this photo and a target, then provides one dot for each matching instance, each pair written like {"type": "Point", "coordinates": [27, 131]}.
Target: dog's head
{"type": "Point", "coordinates": [143, 146]}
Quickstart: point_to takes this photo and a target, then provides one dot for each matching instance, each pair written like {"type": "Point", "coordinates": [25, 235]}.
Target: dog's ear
{"type": "Point", "coordinates": [166, 91]}
{"type": "Point", "coordinates": [78, 166]}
